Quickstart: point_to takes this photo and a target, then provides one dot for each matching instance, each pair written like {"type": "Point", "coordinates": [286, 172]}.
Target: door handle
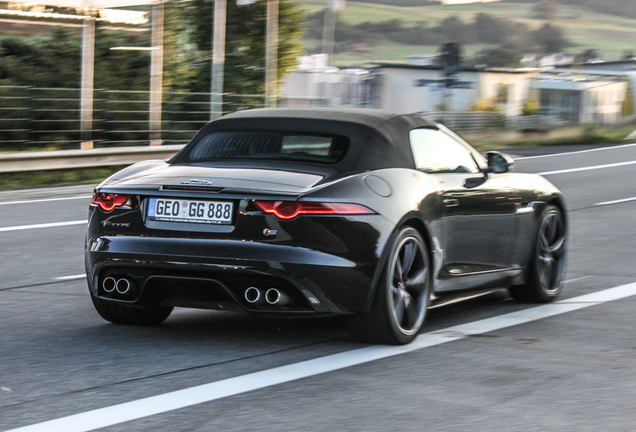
{"type": "Point", "coordinates": [451, 202]}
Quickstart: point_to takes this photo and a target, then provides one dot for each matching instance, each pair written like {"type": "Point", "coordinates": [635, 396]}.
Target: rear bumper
{"type": "Point", "coordinates": [213, 273]}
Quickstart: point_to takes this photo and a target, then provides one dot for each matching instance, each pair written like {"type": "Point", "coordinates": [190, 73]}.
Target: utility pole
{"type": "Point", "coordinates": [156, 73]}
{"type": "Point", "coordinates": [329, 34]}
{"type": "Point", "coordinates": [329, 28]}
{"type": "Point", "coordinates": [271, 55]}
{"type": "Point", "coordinates": [86, 95]}
{"type": "Point", "coordinates": [218, 59]}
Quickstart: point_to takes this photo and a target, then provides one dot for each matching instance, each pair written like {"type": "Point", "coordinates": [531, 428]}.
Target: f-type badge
{"type": "Point", "coordinates": [196, 182]}
{"type": "Point", "coordinates": [269, 232]}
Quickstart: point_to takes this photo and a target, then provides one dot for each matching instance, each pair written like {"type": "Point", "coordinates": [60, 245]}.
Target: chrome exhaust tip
{"type": "Point", "coordinates": [252, 295]}
{"type": "Point", "coordinates": [123, 286]}
{"type": "Point", "coordinates": [275, 297]}
{"type": "Point", "coordinates": [109, 284]}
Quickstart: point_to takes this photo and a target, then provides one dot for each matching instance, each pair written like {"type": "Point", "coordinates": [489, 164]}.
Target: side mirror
{"type": "Point", "coordinates": [499, 163]}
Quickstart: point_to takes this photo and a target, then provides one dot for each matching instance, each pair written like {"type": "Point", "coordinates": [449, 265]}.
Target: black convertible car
{"type": "Point", "coordinates": [313, 212]}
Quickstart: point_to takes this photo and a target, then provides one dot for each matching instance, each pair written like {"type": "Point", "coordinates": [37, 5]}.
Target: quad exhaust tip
{"type": "Point", "coordinates": [272, 296]}
{"type": "Point", "coordinates": [109, 284]}
{"type": "Point", "coordinates": [122, 286]}
{"type": "Point", "coordinates": [253, 295]}
{"type": "Point", "coordinates": [276, 297]}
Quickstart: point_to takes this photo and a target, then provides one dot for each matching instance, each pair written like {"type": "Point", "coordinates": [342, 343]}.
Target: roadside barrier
{"type": "Point", "coordinates": [67, 159]}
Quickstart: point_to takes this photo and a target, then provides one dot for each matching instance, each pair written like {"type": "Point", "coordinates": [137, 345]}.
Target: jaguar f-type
{"type": "Point", "coordinates": [319, 211]}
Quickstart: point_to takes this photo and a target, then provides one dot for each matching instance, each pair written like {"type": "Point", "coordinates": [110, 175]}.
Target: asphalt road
{"type": "Point", "coordinates": [567, 367]}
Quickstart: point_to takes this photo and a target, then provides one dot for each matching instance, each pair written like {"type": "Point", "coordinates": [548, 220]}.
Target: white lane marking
{"type": "Point", "coordinates": [624, 200]}
{"type": "Point", "coordinates": [575, 152]}
{"type": "Point", "coordinates": [71, 277]}
{"type": "Point", "coordinates": [134, 410]}
{"type": "Point", "coordinates": [595, 167]}
{"type": "Point", "coordinates": [45, 225]}
{"type": "Point", "coordinates": [45, 200]}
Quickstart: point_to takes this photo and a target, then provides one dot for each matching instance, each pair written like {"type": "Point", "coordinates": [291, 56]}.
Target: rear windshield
{"type": "Point", "coordinates": [285, 146]}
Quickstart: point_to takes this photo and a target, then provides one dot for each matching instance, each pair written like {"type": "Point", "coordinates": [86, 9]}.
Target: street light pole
{"type": "Point", "coordinates": [329, 34]}
{"type": "Point", "coordinates": [156, 74]}
{"type": "Point", "coordinates": [218, 59]}
{"type": "Point", "coordinates": [329, 28]}
{"type": "Point", "coordinates": [86, 95]}
{"type": "Point", "coordinates": [271, 55]}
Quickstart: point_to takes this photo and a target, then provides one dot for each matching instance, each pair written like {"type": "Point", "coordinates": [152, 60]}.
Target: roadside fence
{"type": "Point", "coordinates": [49, 118]}
{"type": "Point", "coordinates": [477, 121]}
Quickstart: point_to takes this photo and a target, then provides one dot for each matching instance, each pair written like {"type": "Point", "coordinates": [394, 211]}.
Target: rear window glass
{"type": "Point", "coordinates": [270, 145]}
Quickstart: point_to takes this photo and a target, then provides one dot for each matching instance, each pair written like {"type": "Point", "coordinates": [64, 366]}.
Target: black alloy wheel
{"type": "Point", "coordinates": [545, 281]}
{"type": "Point", "coordinates": [400, 307]}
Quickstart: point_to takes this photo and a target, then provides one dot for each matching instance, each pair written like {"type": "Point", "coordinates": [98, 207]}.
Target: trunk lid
{"type": "Point", "coordinates": [180, 177]}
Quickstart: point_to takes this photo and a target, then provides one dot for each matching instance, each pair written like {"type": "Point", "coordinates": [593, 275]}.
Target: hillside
{"type": "Point", "coordinates": [610, 35]}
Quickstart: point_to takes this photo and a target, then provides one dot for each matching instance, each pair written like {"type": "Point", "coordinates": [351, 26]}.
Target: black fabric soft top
{"type": "Point", "coordinates": [378, 139]}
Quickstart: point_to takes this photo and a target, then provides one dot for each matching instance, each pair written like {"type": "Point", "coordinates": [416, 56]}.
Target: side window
{"type": "Point", "coordinates": [435, 151]}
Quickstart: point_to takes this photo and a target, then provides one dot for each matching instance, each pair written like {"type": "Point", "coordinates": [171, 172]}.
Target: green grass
{"type": "Point", "coordinates": [67, 177]}
{"type": "Point", "coordinates": [581, 134]}
{"type": "Point", "coordinates": [395, 53]}
{"type": "Point", "coordinates": [610, 35]}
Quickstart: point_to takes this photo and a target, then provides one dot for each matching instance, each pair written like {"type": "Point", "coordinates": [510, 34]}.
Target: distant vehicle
{"type": "Point", "coordinates": [314, 212]}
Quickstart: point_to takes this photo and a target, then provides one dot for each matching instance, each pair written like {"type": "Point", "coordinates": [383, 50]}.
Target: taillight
{"type": "Point", "coordinates": [291, 209]}
{"type": "Point", "coordinates": [107, 201]}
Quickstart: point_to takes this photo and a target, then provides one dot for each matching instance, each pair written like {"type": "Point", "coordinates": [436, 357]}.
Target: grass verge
{"type": "Point", "coordinates": [502, 139]}
{"type": "Point", "coordinates": [66, 177]}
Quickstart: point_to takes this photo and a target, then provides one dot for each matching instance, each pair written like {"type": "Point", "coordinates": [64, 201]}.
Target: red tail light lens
{"type": "Point", "coordinates": [107, 201]}
{"type": "Point", "coordinates": [290, 209]}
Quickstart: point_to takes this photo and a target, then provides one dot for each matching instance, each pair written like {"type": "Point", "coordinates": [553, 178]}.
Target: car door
{"type": "Point", "coordinates": [478, 209]}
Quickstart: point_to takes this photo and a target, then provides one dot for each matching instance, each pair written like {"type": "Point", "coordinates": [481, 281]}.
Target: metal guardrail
{"type": "Point", "coordinates": [67, 159]}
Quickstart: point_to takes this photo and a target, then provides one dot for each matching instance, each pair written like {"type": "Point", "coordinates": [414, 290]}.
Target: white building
{"type": "Point", "coordinates": [621, 69]}
{"type": "Point", "coordinates": [567, 97]}
{"type": "Point", "coordinates": [328, 86]}
{"type": "Point", "coordinates": [420, 88]}
{"type": "Point", "coordinates": [576, 98]}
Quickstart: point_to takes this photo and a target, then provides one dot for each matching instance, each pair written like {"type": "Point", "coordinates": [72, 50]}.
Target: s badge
{"type": "Point", "coordinates": [269, 232]}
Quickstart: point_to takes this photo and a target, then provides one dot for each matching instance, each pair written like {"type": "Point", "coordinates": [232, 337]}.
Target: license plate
{"type": "Point", "coordinates": [179, 210]}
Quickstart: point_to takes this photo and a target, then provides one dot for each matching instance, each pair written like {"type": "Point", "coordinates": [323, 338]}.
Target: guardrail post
{"type": "Point", "coordinates": [86, 104]}
{"type": "Point", "coordinates": [156, 74]}
{"type": "Point", "coordinates": [30, 135]}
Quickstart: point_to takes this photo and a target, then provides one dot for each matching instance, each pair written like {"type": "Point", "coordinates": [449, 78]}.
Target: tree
{"type": "Point", "coordinates": [545, 10]}
{"type": "Point", "coordinates": [499, 57]}
{"type": "Point", "coordinates": [491, 29]}
{"type": "Point", "coordinates": [455, 30]}
{"type": "Point", "coordinates": [245, 43]}
{"type": "Point", "coordinates": [550, 39]}
{"type": "Point", "coordinates": [120, 70]}
{"type": "Point", "coordinates": [50, 61]}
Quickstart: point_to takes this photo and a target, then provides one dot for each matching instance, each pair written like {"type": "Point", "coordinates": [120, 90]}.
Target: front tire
{"type": "Point", "coordinates": [402, 297]}
{"type": "Point", "coordinates": [545, 280]}
{"type": "Point", "coordinates": [120, 313]}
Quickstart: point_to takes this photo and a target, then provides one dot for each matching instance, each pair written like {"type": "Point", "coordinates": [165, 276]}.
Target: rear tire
{"type": "Point", "coordinates": [547, 266]}
{"type": "Point", "coordinates": [119, 313]}
{"type": "Point", "coordinates": [402, 297]}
